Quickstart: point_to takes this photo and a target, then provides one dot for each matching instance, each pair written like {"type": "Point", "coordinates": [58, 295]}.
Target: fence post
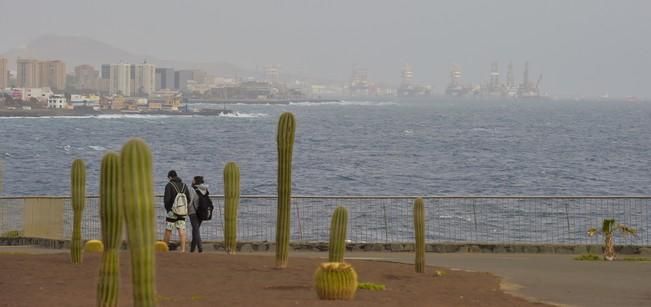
{"type": "Point", "coordinates": [567, 217]}
{"type": "Point", "coordinates": [474, 215]}
{"type": "Point", "coordinates": [386, 223]}
{"type": "Point", "coordinates": [298, 218]}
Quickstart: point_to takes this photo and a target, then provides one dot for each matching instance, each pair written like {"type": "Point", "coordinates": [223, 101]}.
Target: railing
{"type": "Point", "coordinates": [374, 219]}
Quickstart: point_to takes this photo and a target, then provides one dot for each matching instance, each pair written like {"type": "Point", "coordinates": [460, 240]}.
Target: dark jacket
{"type": "Point", "coordinates": [170, 192]}
{"type": "Point", "coordinates": [194, 203]}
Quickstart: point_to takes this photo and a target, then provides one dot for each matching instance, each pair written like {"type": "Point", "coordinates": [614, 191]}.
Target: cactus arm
{"type": "Point", "coordinates": [78, 191]}
{"type": "Point", "coordinates": [419, 231]}
{"type": "Point", "coordinates": [285, 142]}
{"type": "Point", "coordinates": [231, 203]}
{"type": "Point", "coordinates": [338, 227]}
{"type": "Point", "coordinates": [138, 204]}
{"type": "Point", "coordinates": [111, 218]}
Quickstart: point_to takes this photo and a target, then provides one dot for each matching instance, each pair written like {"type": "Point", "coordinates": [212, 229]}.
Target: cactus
{"type": "Point", "coordinates": [231, 202]}
{"type": "Point", "coordinates": [419, 231]}
{"type": "Point", "coordinates": [111, 216]}
{"type": "Point", "coordinates": [138, 204]}
{"type": "Point", "coordinates": [335, 281]}
{"type": "Point", "coordinates": [94, 246]}
{"type": "Point", "coordinates": [78, 189]}
{"type": "Point", "coordinates": [337, 245]}
{"type": "Point", "coordinates": [285, 141]}
{"type": "Point", "coordinates": [161, 247]}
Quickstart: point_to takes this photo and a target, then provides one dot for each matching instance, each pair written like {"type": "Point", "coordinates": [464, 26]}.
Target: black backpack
{"type": "Point", "coordinates": [204, 207]}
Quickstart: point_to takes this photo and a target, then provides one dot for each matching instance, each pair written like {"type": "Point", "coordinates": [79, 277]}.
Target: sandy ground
{"type": "Point", "coordinates": [215, 279]}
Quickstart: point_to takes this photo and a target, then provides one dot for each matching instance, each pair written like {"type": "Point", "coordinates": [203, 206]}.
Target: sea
{"type": "Point", "coordinates": [358, 147]}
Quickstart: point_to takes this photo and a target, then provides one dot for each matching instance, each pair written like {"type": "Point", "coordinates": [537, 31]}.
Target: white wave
{"type": "Point", "coordinates": [343, 103]}
{"type": "Point", "coordinates": [96, 148]}
{"type": "Point", "coordinates": [446, 217]}
{"type": "Point", "coordinates": [59, 117]}
{"type": "Point", "coordinates": [243, 115]}
{"type": "Point", "coordinates": [144, 116]}
{"type": "Point", "coordinates": [480, 129]}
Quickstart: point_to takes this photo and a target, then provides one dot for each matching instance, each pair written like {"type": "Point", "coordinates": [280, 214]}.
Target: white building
{"type": "Point", "coordinates": [57, 102]}
{"type": "Point", "coordinates": [120, 79]}
{"type": "Point", "coordinates": [144, 79]}
{"type": "Point", "coordinates": [26, 94]}
{"type": "Point", "coordinates": [84, 101]}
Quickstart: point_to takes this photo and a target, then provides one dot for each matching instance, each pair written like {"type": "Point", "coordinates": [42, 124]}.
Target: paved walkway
{"type": "Point", "coordinates": [556, 279]}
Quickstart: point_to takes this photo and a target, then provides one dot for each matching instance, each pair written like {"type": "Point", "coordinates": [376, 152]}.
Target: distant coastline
{"type": "Point", "coordinates": [59, 112]}
{"type": "Point", "coordinates": [258, 101]}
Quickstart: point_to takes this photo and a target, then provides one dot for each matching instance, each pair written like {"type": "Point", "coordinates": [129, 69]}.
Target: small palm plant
{"type": "Point", "coordinates": [608, 229]}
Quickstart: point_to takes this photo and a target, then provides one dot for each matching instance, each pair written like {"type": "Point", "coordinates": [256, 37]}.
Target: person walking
{"type": "Point", "coordinates": [200, 199]}
{"type": "Point", "coordinates": [176, 207]}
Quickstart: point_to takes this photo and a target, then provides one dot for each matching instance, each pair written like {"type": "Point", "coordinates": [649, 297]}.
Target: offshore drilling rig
{"type": "Point", "coordinates": [494, 87]}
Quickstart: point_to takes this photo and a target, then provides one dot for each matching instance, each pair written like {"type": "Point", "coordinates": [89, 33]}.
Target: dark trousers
{"type": "Point", "coordinates": [196, 235]}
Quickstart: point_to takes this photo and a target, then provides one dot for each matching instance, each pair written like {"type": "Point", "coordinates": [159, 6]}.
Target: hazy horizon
{"type": "Point", "coordinates": [582, 47]}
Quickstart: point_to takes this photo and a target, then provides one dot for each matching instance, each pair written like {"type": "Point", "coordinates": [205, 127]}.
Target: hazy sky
{"type": "Point", "coordinates": [582, 47]}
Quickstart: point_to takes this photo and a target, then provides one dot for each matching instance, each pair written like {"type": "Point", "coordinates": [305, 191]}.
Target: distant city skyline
{"type": "Point", "coordinates": [582, 47]}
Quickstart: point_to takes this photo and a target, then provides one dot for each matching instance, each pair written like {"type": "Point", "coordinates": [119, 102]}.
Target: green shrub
{"type": "Point", "coordinates": [588, 257]}
{"type": "Point", "coordinates": [12, 234]}
{"type": "Point", "coordinates": [370, 286]}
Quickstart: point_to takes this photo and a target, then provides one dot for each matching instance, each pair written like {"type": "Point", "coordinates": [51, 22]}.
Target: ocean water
{"type": "Point", "coordinates": [399, 147]}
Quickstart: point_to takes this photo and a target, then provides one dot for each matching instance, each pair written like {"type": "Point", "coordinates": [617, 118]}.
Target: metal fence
{"type": "Point", "coordinates": [379, 219]}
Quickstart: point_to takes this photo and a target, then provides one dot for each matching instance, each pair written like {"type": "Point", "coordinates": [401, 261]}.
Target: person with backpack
{"type": "Point", "coordinates": [200, 210]}
{"type": "Point", "coordinates": [176, 199]}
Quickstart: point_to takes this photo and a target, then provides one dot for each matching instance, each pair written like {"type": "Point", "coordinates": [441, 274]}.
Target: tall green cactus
{"type": "Point", "coordinates": [231, 202]}
{"type": "Point", "coordinates": [111, 215]}
{"type": "Point", "coordinates": [338, 227]}
{"type": "Point", "coordinates": [138, 204]}
{"type": "Point", "coordinates": [285, 141]}
{"type": "Point", "coordinates": [78, 190]}
{"type": "Point", "coordinates": [419, 231]}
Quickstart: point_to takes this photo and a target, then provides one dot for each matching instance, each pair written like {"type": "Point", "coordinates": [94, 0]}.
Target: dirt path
{"type": "Point", "coordinates": [213, 279]}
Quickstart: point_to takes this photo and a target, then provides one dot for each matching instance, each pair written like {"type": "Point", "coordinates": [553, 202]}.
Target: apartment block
{"type": "Point", "coordinates": [86, 77]}
{"type": "Point", "coordinates": [52, 74]}
{"type": "Point", "coordinates": [4, 73]}
{"type": "Point", "coordinates": [120, 79]}
{"type": "Point", "coordinates": [28, 73]}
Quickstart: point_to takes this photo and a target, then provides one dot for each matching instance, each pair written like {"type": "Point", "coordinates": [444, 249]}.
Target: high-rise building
{"type": "Point", "coordinates": [144, 79]}
{"type": "Point", "coordinates": [181, 78]}
{"type": "Point", "coordinates": [27, 75]}
{"type": "Point", "coordinates": [272, 73]}
{"type": "Point", "coordinates": [86, 77]}
{"type": "Point", "coordinates": [4, 73]}
{"type": "Point", "coordinates": [104, 82]}
{"type": "Point", "coordinates": [106, 71]}
{"type": "Point", "coordinates": [120, 79]}
{"type": "Point", "coordinates": [52, 74]}
{"type": "Point", "coordinates": [165, 78]}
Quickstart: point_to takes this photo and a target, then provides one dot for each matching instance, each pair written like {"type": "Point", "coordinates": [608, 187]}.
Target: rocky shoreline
{"type": "Point", "coordinates": [62, 113]}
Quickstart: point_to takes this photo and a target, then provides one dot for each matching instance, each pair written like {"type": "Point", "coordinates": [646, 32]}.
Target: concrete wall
{"type": "Point", "coordinates": [43, 218]}
{"type": "Point", "coordinates": [246, 247]}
